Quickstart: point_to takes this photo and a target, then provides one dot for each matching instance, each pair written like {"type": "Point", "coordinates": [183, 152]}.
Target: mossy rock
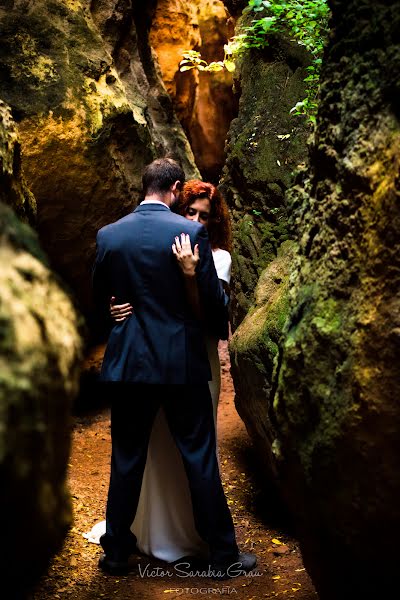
{"type": "Point", "coordinates": [265, 146]}
{"type": "Point", "coordinates": [336, 408]}
{"type": "Point", "coordinates": [253, 349]}
{"type": "Point", "coordinates": [90, 114]}
{"type": "Point", "coordinates": [40, 353]}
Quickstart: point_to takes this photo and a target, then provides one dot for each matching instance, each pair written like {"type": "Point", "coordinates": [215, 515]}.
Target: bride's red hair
{"type": "Point", "coordinates": [219, 223]}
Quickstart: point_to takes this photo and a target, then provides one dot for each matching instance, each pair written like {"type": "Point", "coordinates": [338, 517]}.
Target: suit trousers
{"type": "Point", "coordinates": [189, 412]}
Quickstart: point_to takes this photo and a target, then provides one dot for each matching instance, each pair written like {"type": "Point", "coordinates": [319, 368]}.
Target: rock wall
{"type": "Point", "coordinates": [336, 405]}
{"type": "Point", "coordinates": [265, 147]}
{"type": "Point", "coordinates": [40, 356]}
{"type": "Point", "coordinates": [235, 7]}
{"type": "Point", "coordinates": [254, 347]}
{"type": "Point", "coordinates": [204, 102]}
{"type": "Point", "coordinates": [174, 29]}
{"type": "Point", "coordinates": [13, 188]}
{"type": "Point", "coordinates": [216, 101]}
{"type": "Point", "coordinates": [83, 85]}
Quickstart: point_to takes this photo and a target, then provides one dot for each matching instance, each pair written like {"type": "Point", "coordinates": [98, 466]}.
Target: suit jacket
{"type": "Point", "coordinates": [162, 342]}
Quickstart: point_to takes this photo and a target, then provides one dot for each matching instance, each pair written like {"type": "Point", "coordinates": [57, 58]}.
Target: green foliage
{"type": "Point", "coordinates": [305, 20]}
{"type": "Point", "coordinates": [192, 60]}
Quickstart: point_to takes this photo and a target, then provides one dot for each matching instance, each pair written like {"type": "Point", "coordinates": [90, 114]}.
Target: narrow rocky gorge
{"type": "Point", "coordinates": [90, 92]}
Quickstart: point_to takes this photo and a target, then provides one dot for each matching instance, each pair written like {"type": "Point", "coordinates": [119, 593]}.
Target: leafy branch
{"type": "Point", "coordinates": [192, 60]}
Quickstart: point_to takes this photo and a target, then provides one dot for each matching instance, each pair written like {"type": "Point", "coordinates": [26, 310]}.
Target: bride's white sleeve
{"type": "Point", "coordinates": [223, 264]}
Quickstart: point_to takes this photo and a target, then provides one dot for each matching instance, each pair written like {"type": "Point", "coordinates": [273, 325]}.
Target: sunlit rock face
{"type": "Point", "coordinates": [217, 104]}
{"type": "Point", "coordinates": [204, 102]}
{"type": "Point", "coordinates": [337, 403]}
{"type": "Point", "coordinates": [92, 111]}
{"type": "Point", "coordinates": [40, 357]}
{"type": "Point", "coordinates": [175, 28]}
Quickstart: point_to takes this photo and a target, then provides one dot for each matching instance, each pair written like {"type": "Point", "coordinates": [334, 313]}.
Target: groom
{"type": "Point", "coordinates": [158, 356]}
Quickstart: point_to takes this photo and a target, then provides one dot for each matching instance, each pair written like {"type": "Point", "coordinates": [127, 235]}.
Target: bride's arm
{"type": "Point", "coordinates": [188, 261]}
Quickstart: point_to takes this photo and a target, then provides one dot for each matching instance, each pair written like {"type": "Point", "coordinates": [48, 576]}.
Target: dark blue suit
{"type": "Point", "coordinates": [160, 344]}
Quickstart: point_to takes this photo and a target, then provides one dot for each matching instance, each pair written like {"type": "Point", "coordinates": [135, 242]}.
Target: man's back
{"type": "Point", "coordinates": [162, 342]}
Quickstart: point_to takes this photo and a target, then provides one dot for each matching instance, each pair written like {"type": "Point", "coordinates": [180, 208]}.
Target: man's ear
{"type": "Point", "coordinates": [177, 186]}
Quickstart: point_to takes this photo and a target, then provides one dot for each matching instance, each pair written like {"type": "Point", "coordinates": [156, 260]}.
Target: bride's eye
{"type": "Point", "coordinates": [191, 212]}
{"type": "Point", "coordinates": [204, 216]}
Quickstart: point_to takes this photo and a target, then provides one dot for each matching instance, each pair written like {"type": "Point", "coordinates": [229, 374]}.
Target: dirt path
{"type": "Point", "coordinates": [74, 574]}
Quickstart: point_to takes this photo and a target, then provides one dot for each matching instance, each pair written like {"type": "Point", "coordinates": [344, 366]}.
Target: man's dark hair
{"type": "Point", "coordinates": [159, 175]}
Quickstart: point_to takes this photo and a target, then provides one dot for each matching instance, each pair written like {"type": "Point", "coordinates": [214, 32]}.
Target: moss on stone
{"type": "Point", "coordinates": [264, 147]}
{"type": "Point", "coordinates": [336, 406]}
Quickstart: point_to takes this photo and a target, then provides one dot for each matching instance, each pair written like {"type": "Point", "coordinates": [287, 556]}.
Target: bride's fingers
{"type": "Point", "coordinates": [178, 244]}
{"type": "Point", "coordinates": [120, 306]}
{"type": "Point", "coordinates": [196, 252]}
{"type": "Point", "coordinates": [120, 311]}
{"type": "Point", "coordinates": [122, 316]}
{"type": "Point", "coordinates": [185, 239]}
{"type": "Point", "coordinates": [186, 245]}
{"type": "Point", "coordinates": [186, 242]}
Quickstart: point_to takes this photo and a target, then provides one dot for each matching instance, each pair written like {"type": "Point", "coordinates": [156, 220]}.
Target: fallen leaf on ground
{"type": "Point", "coordinates": [276, 541]}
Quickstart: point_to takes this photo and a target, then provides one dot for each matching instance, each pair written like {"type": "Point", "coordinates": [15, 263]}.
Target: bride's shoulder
{"type": "Point", "coordinates": [222, 255]}
{"type": "Point", "coordinates": [223, 262]}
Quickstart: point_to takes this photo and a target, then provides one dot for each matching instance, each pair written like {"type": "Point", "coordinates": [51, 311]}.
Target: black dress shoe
{"type": "Point", "coordinates": [124, 549]}
{"type": "Point", "coordinates": [242, 563]}
{"type": "Point", "coordinates": [114, 567]}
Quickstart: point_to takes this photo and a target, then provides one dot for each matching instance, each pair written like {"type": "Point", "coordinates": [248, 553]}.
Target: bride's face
{"type": "Point", "coordinates": [199, 211]}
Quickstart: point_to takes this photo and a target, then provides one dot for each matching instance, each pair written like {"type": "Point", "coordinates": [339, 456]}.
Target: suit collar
{"type": "Point", "coordinates": [151, 206]}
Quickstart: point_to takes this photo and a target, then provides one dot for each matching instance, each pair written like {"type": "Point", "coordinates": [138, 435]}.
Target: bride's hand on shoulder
{"type": "Point", "coordinates": [119, 312]}
{"type": "Point", "coordinates": [187, 259]}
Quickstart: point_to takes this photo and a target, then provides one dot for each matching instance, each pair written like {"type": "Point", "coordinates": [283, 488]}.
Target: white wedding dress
{"type": "Point", "coordinates": [164, 524]}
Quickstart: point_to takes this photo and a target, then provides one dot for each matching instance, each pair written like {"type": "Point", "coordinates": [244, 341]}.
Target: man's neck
{"type": "Point", "coordinates": [164, 198]}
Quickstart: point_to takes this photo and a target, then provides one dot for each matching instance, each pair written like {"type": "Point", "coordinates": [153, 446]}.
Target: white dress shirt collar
{"type": "Point", "coordinates": [154, 202]}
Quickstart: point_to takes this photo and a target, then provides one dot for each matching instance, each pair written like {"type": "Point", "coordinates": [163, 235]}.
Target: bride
{"type": "Point", "coordinates": [164, 524]}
